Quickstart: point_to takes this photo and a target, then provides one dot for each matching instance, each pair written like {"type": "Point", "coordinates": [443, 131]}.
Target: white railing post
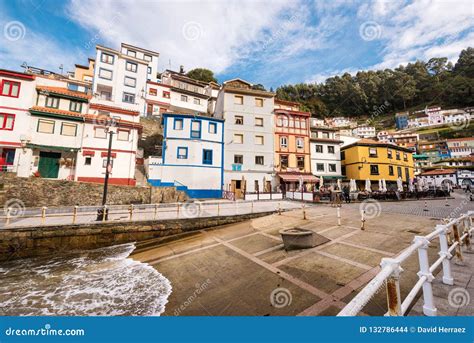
{"type": "Point", "coordinates": [338, 210]}
{"type": "Point", "coordinates": [457, 238]}
{"type": "Point", "coordinates": [43, 215]}
{"type": "Point", "coordinates": [156, 210]}
{"type": "Point", "coordinates": [444, 252]}
{"type": "Point", "coordinates": [466, 231]}
{"type": "Point", "coordinates": [130, 211]}
{"type": "Point", "coordinates": [429, 308]}
{"type": "Point", "coordinates": [392, 284]}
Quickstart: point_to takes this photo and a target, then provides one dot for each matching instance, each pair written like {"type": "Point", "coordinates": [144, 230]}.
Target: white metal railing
{"type": "Point", "coordinates": [450, 239]}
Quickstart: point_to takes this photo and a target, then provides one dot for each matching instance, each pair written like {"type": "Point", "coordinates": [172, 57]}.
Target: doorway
{"type": "Point", "coordinates": [48, 166]}
{"type": "Point", "coordinates": [236, 187]}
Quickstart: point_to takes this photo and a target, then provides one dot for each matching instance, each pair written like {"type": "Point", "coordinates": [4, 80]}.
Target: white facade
{"type": "Point", "coordinates": [151, 57]}
{"type": "Point", "coordinates": [461, 147]}
{"type": "Point", "coordinates": [325, 153]}
{"type": "Point", "coordinates": [192, 157]}
{"type": "Point", "coordinates": [248, 137]}
{"type": "Point", "coordinates": [158, 98]}
{"type": "Point", "coordinates": [341, 122]}
{"type": "Point", "coordinates": [439, 178]}
{"type": "Point", "coordinates": [364, 131]}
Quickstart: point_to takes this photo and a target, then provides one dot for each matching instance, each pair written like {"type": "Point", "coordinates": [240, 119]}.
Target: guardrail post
{"type": "Point", "coordinates": [105, 214]}
{"type": "Point", "coordinates": [156, 210]}
{"type": "Point", "coordinates": [304, 211]}
{"type": "Point", "coordinates": [394, 299]}
{"type": "Point", "coordinates": [457, 238]}
{"type": "Point", "coordinates": [444, 252]}
{"type": "Point", "coordinates": [218, 209]}
{"type": "Point", "coordinates": [429, 308]}
{"type": "Point", "coordinates": [177, 210]}
{"type": "Point", "coordinates": [130, 211]}
{"type": "Point", "coordinates": [74, 214]}
{"type": "Point", "coordinates": [7, 222]}
{"type": "Point", "coordinates": [279, 209]}
{"type": "Point", "coordinates": [338, 210]}
{"type": "Point", "coordinates": [43, 214]}
{"type": "Point", "coordinates": [467, 232]}
{"type": "Point", "coordinates": [362, 220]}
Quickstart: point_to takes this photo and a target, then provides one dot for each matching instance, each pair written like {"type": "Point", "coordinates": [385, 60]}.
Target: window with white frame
{"type": "Point", "coordinates": [105, 74]}
{"type": "Point", "coordinates": [107, 58]}
{"type": "Point", "coordinates": [130, 81]}
{"type": "Point", "coordinates": [52, 102]}
{"type": "Point", "coordinates": [331, 149]}
{"type": "Point", "coordinates": [128, 98]}
{"type": "Point", "coordinates": [319, 148]}
{"type": "Point", "coordinates": [195, 129]}
{"type": "Point", "coordinates": [332, 167]}
{"type": "Point", "coordinates": [320, 167]}
{"type": "Point", "coordinates": [283, 142]}
{"type": "Point", "coordinates": [299, 143]}
{"type": "Point", "coordinates": [182, 153]}
{"type": "Point", "coordinates": [259, 160]}
{"type": "Point", "coordinates": [130, 66]}
{"type": "Point", "coordinates": [132, 53]}
{"type": "Point", "coordinates": [212, 128]}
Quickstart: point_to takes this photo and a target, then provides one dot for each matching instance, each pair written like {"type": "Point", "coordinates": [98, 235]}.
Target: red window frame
{"type": "Point", "coordinates": [2, 125]}
{"type": "Point", "coordinates": [166, 95]}
{"type": "Point", "coordinates": [10, 91]}
{"type": "Point", "coordinates": [153, 91]}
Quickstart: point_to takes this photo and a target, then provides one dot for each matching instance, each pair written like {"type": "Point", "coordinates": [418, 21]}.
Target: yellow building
{"type": "Point", "coordinates": [369, 159]}
{"type": "Point", "coordinates": [292, 146]}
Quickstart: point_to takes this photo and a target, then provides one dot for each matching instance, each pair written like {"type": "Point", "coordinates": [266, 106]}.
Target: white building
{"type": "Point", "coordinates": [465, 178]}
{"type": "Point", "coordinates": [192, 157]}
{"type": "Point", "coordinates": [315, 122]}
{"type": "Point", "coordinates": [248, 137]}
{"type": "Point", "coordinates": [17, 95]}
{"type": "Point", "coordinates": [439, 177]}
{"type": "Point", "coordinates": [325, 153]}
{"type": "Point", "coordinates": [364, 131]}
{"type": "Point", "coordinates": [158, 98]}
{"type": "Point", "coordinates": [461, 147]}
{"type": "Point", "coordinates": [456, 117]}
{"type": "Point", "coordinates": [340, 122]}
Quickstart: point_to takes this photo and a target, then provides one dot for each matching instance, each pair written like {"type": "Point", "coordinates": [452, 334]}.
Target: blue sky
{"type": "Point", "coordinates": [269, 42]}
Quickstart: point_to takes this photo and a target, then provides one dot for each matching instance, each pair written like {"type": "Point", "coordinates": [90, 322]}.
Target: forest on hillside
{"type": "Point", "coordinates": [415, 85]}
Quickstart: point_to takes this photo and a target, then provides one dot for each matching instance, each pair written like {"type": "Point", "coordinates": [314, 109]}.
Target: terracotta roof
{"type": "Point", "coordinates": [16, 74]}
{"type": "Point", "coordinates": [64, 91]}
{"type": "Point", "coordinates": [56, 111]}
{"type": "Point", "coordinates": [113, 109]}
{"type": "Point", "coordinates": [369, 142]}
{"type": "Point", "coordinates": [461, 139]}
{"type": "Point", "coordinates": [439, 172]}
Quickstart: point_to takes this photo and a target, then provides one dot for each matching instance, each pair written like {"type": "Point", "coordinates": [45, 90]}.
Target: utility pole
{"type": "Point", "coordinates": [108, 169]}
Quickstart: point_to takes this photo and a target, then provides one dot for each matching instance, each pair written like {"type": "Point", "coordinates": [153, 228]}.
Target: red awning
{"type": "Point", "coordinates": [296, 177]}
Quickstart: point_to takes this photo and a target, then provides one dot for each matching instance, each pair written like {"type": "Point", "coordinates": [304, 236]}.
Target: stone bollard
{"type": "Point", "coordinates": [362, 220]}
{"type": "Point", "coordinates": [74, 215]}
{"type": "Point", "coordinates": [304, 212]}
{"type": "Point", "coordinates": [338, 210]}
{"type": "Point", "coordinates": [130, 211]}
{"type": "Point", "coordinates": [426, 207]}
{"type": "Point", "coordinates": [279, 209]}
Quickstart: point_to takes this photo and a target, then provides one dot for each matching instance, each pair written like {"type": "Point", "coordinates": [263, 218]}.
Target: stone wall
{"type": "Point", "coordinates": [32, 242]}
{"type": "Point", "coordinates": [37, 192]}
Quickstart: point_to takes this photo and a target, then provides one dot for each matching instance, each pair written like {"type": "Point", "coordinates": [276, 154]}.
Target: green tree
{"type": "Point", "coordinates": [202, 74]}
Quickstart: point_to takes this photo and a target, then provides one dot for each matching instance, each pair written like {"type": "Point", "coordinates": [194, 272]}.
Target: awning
{"type": "Point", "coordinates": [297, 177]}
{"type": "Point", "coordinates": [50, 147]}
{"type": "Point", "coordinates": [333, 177]}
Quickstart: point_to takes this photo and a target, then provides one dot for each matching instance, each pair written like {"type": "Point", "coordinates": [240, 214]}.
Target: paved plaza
{"type": "Point", "coordinates": [243, 269]}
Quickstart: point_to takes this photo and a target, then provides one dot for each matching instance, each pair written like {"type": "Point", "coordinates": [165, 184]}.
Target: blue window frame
{"type": "Point", "coordinates": [212, 128]}
{"type": "Point", "coordinates": [182, 153]}
{"type": "Point", "coordinates": [178, 124]}
{"type": "Point", "coordinates": [206, 156]}
{"type": "Point", "coordinates": [195, 129]}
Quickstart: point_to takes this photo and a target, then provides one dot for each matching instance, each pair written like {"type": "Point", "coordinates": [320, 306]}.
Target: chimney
{"type": "Point", "coordinates": [181, 69]}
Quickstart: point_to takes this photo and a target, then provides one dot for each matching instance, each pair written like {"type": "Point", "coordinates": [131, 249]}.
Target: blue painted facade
{"type": "Point", "coordinates": [401, 121]}
{"type": "Point", "coordinates": [193, 152]}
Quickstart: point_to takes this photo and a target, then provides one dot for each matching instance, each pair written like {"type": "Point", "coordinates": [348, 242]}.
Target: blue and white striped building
{"type": "Point", "coordinates": [193, 155]}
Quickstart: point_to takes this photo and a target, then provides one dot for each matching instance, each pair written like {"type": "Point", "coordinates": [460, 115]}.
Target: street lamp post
{"type": "Point", "coordinates": [101, 211]}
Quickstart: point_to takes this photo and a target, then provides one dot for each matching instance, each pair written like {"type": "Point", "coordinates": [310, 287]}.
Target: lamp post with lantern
{"type": "Point", "coordinates": [102, 214]}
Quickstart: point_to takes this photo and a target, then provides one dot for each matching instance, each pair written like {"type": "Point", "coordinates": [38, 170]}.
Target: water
{"type": "Point", "coordinates": [101, 282]}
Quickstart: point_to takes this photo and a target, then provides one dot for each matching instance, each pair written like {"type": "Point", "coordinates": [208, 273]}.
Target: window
{"type": "Point", "coordinates": [405, 156]}
{"type": "Point", "coordinates": [319, 148]}
{"type": "Point", "coordinates": [130, 66]}
{"type": "Point", "coordinates": [100, 132]}
{"type": "Point", "coordinates": [372, 152]}
{"type": "Point", "coordinates": [259, 102]}
{"type": "Point", "coordinates": [258, 121]}
{"type": "Point", "coordinates": [166, 94]}
{"type": "Point", "coordinates": [259, 140]}
{"type": "Point", "coordinates": [303, 123]}
{"type": "Point", "coordinates": [129, 98]}
{"type": "Point", "coordinates": [123, 135]}
{"type": "Point", "coordinates": [398, 155]}
{"type": "Point", "coordinates": [374, 169]}
{"type": "Point", "coordinates": [52, 102]}
{"type": "Point", "coordinates": [132, 53]}
{"type": "Point", "coordinates": [7, 121]}
{"type": "Point", "coordinates": [68, 129]}
{"type": "Point", "coordinates": [389, 153]}
{"type": "Point", "coordinates": [212, 128]}
{"type": "Point", "coordinates": [284, 161]}
{"type": "Point", "coordinates": [130, 81]}
{"type": "Point", "coordinates": [330, 149]}
{"type": "Point", "coordinates": [343, 170]}
{"type": "Point", "coordinates": [299, 143]}
{"type": "Point", "coordinates": [239, 120]}
{"type": "Point", "coordinates": [407, 174]}
{"type": "Point", "coordinates": [320, 167]}
{"type": "Point", "coordinates": [196, 101]}
{"type": "Point", "coordinates": [153, 91]}
{"type": "Point", "coordinates": [238, 138]}
{"type": "Point", "coordinates": [88, 161]}
{"type": "Point", "coordinates": [10, 88]}
{"type": "Point", "coordinates": [238, 159]}
{"type": "Point", "coordinates": [283, 142]}
{"type": "Point", "coordinates": [195, 129]}
{"type": "Point", "coordinates": [238, 99]}
{"type": "Point", "coordinates": [206, 156]}
{"type": "Point", "coordinates": [325, 134]}
{"type": "Point", "coordinates": [399, 171]}
{"type": "Point", "coordinates": [148, 70]}
{"type": "Point", "coordinates": [390, 170]}
{"type": "Point", "coordinates": [343, 155]}
{"type": "Point", "coordinates": [178, 124]}
{"type": "Point", "coordinates": [105, 74]}
{"type": "Point", "coordinates": [107, 58]}
{"type": "Point", "coordinates": [184, 98]}
{"type": "Point", "coordinates": [332, 167]}
{"type": "Point", "coordinates": [45, 126]}
{"type": "Point", "coordinates": [104, 163]}
{"type": "Point", "coordinates": [182, 153]}
{"type": "Point", "coordinates": [75, 106]}
{"type": "Point", "coordinates": [259, 160]}
{"type": "Point", "coordinates": [300, 162]}
{"type": "Point", "coordinates": [147, 57]}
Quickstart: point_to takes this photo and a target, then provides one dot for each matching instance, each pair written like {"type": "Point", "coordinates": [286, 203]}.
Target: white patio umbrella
{"type": "Point", "coordinates": [300, 181]}
{"type": "Point", "coordinates": [321, 181]}
{"type": "Point", "coordinates": [352, 185]}
{"type": "Point", "coordinates": [411, 187]}
{"type": "Point", "coordinates": [400, 184]}
{"type": "Point", "coordinates": [368, 187]}
{"type": "Point", "coordinates": [339, 184]}
{"type": "Point", "coordinates": [380, 185]}
{"type": "Point", "coordinates": [419, 184]}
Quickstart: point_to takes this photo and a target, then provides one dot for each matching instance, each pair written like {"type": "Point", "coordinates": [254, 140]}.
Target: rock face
{"type": "Point", "coordinates": [37, 192]}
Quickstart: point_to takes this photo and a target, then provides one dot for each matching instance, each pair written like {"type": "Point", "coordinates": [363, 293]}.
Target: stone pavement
{"type": "Point", "coordinates": [242, 269]}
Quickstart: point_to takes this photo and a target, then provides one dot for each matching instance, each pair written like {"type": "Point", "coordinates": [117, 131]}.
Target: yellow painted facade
{"type": "Point", "coordinates": [368, 159]}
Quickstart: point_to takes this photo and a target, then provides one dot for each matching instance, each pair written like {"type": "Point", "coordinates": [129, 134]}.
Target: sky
{"type": "Point", "coordinates": [268, 42]}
